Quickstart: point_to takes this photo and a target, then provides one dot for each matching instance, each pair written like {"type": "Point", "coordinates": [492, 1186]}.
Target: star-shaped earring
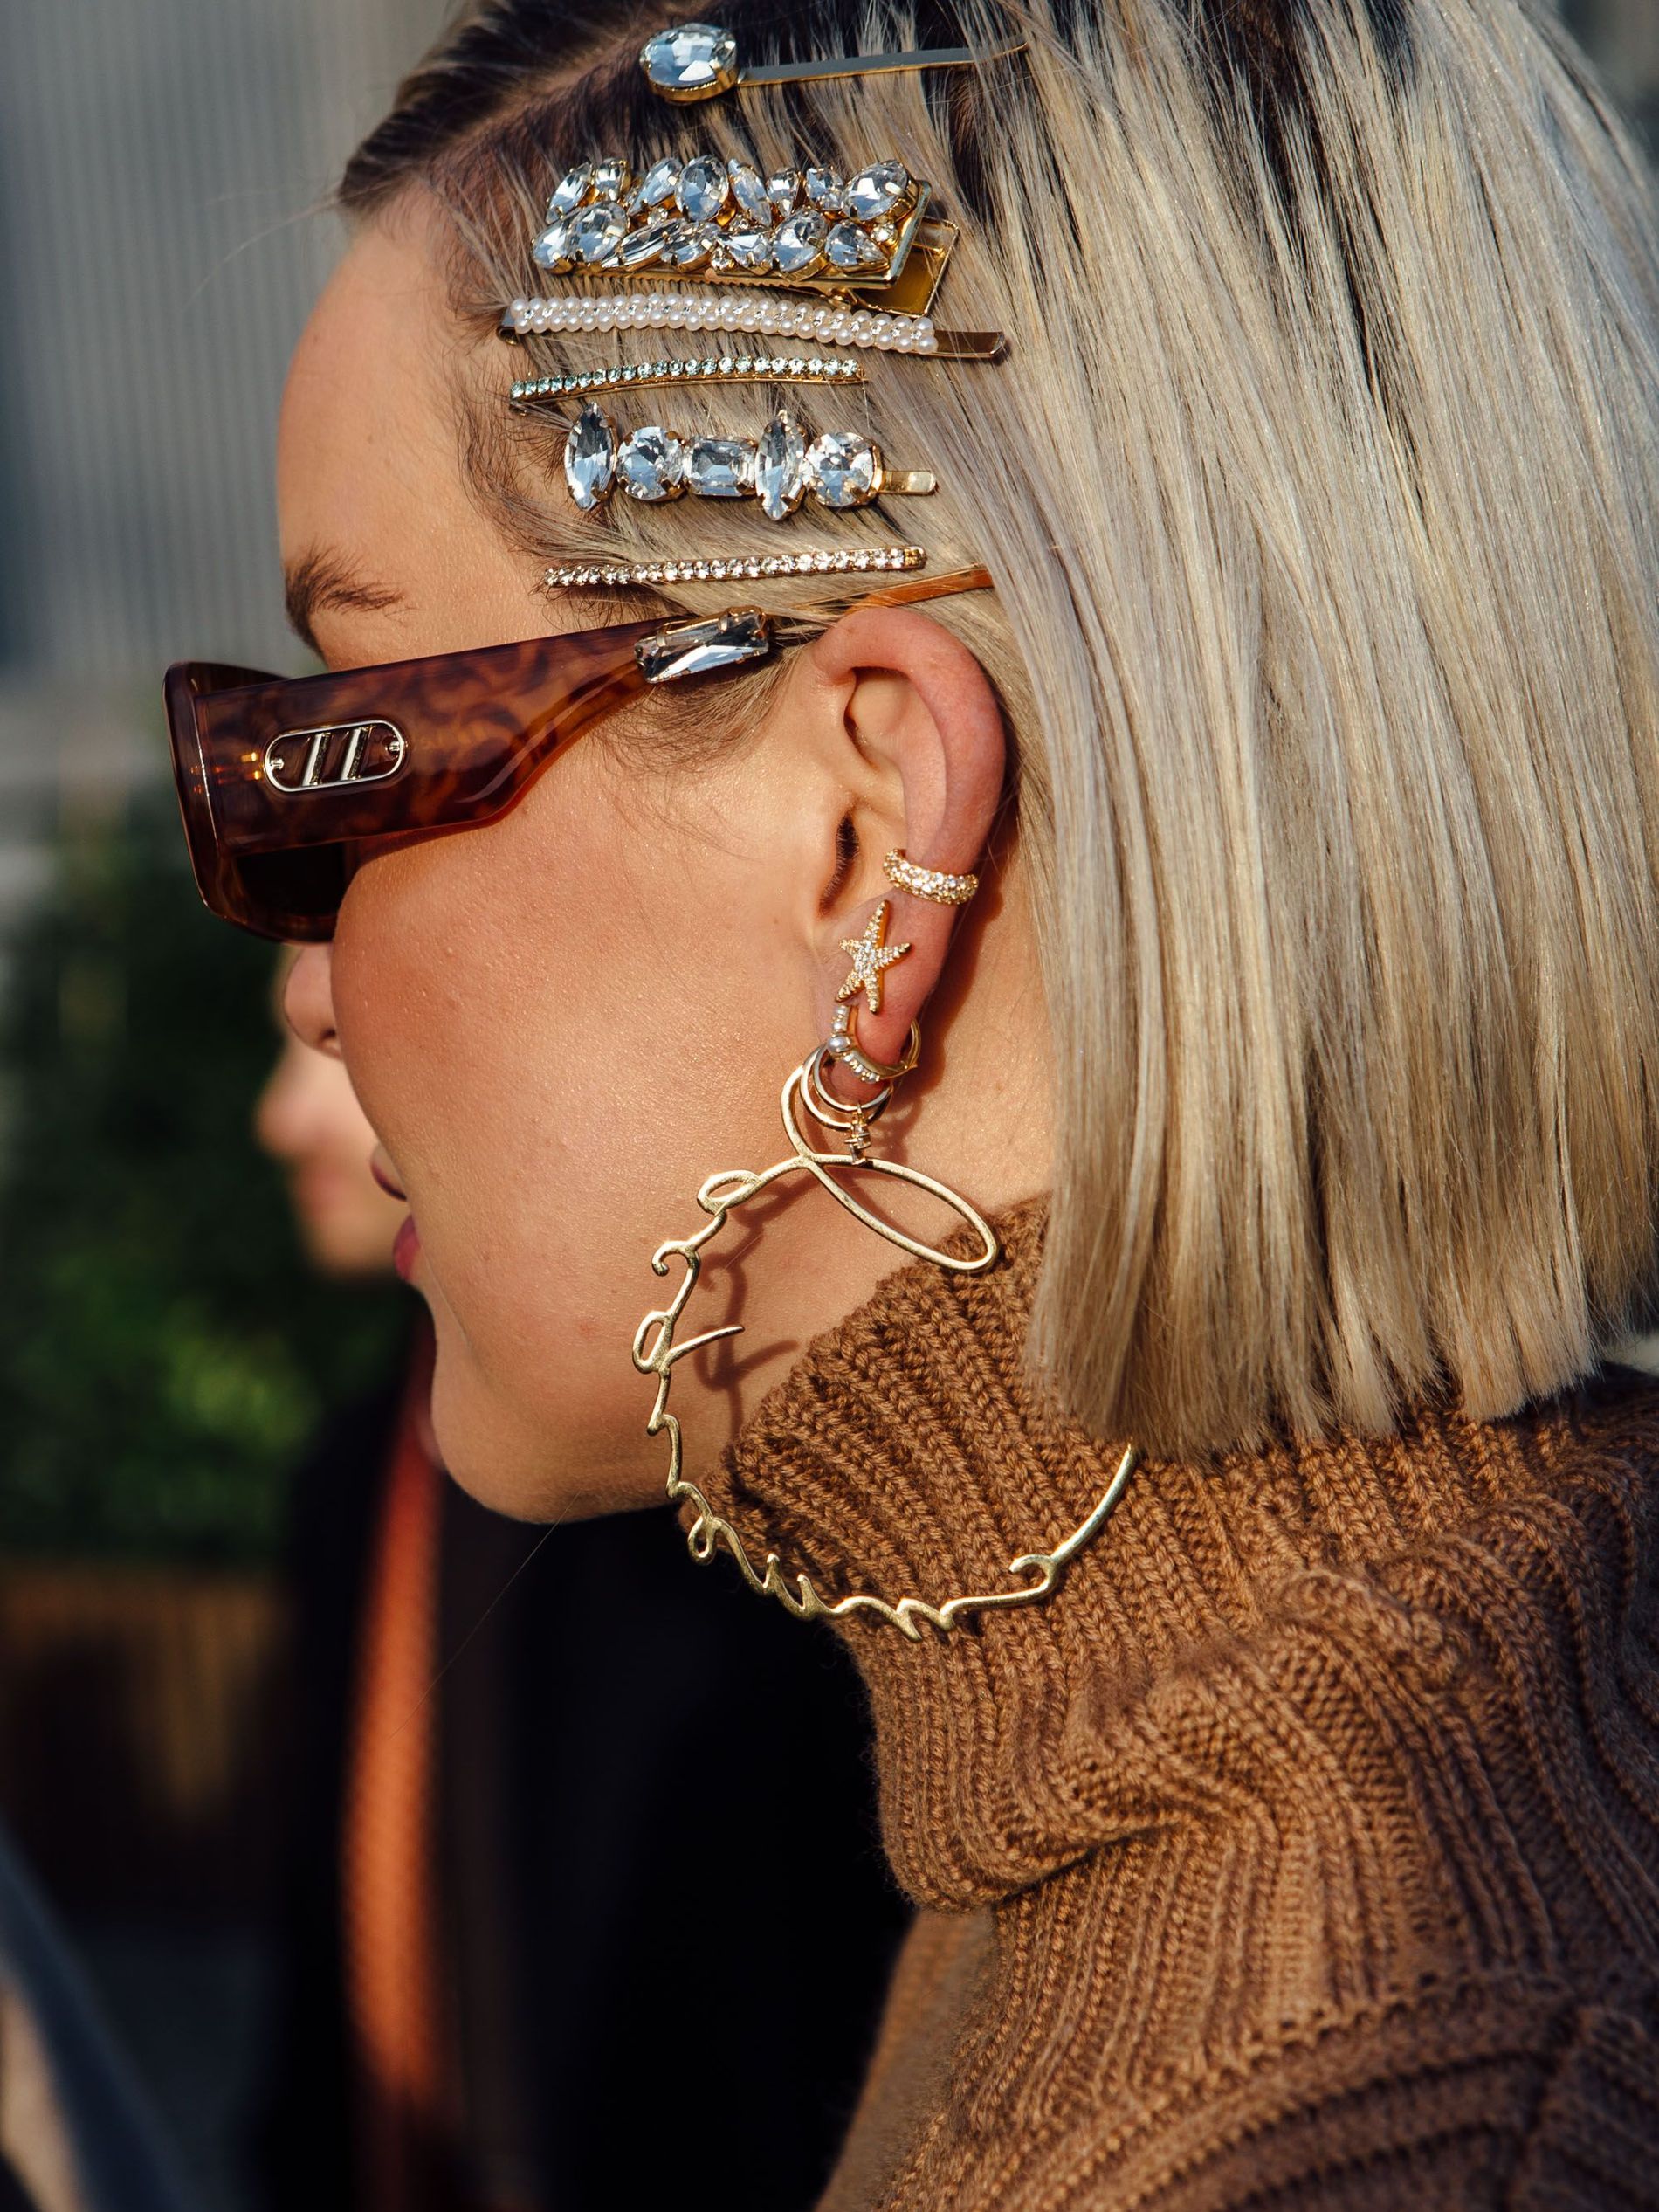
{"type": "Point", "coordinates": [868, 956]}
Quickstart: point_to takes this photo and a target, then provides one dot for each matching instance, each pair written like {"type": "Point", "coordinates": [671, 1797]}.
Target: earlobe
{"type": "Point", "coordinates": [930, 761]}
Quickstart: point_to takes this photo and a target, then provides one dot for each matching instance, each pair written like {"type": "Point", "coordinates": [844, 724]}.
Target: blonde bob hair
{"type": "Point", "coordinates": [1321, 492]}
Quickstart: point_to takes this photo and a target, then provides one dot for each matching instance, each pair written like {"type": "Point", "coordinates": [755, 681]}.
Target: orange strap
{"type": "Point", "coordinates": [390, 1890]}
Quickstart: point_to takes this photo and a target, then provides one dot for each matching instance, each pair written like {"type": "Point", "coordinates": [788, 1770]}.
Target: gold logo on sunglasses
{"type": "Point", "coordinates": [340, 753]}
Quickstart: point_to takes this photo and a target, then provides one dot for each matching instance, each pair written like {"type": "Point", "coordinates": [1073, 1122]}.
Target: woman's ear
{"type": "Point", "coordinates": [926, 757]}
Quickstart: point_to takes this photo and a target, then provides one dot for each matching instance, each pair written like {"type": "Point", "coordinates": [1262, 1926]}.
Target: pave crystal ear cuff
{"type": "Point", "coordinates": [837, 469]}
{"type": "Point", "coordinates": [929, 883]}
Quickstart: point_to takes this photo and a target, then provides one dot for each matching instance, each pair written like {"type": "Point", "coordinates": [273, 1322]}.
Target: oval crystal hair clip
{"type": "Point", "coordinates": [693, 61]}
{"type": "Point", "coordinates": [837, 469]}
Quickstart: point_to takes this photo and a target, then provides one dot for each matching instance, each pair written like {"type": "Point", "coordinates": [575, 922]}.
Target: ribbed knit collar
{"type": "Point", "coordinates": [911, 1453]}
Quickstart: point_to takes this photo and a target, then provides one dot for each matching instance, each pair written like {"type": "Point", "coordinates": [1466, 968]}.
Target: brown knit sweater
{"type": "Point", "coordinates": [1302, 1849]}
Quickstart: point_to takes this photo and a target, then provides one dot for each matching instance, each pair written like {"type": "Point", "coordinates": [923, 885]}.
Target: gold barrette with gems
{"type": "Point", "coordinates": [837, 469]}
{"type": "Point", "coordinates": [696, 61]}
{"type": "Point", "coordinates": [725, 223]}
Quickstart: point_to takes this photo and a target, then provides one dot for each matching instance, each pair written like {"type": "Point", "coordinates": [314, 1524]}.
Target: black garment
{"type": "Point", "coordinates": [667, 1921]}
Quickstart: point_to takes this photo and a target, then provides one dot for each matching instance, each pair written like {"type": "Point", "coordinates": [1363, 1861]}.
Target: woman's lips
{"type": "Point", "coordinates": [406, 1245]}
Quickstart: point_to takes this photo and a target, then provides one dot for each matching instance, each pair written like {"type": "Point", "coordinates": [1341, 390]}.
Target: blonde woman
{"type": "Point", "coordinates": [1227, 1492]}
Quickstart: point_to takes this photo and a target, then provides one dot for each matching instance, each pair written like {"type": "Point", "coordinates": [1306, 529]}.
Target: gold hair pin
{"type": "Point", "coordinates": [837, 469]}
{"type": "Point", "coordinates": [723, 222]}
{"type": "Point", "coordinates": [695, 61]}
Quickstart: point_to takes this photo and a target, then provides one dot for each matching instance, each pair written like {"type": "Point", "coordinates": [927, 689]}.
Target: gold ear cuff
{"type": "Point", "coordinates": [929, 883]}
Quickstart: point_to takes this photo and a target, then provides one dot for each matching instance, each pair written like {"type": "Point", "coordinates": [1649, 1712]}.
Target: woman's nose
{"type": "Point", "coordinates": [308, 999]}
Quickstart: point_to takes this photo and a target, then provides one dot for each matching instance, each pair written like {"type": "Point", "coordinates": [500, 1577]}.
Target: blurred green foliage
{"type": "Point", "coordinates": [165, 1355]}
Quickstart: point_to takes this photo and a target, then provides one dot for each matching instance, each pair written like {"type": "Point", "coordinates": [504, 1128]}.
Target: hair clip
{"type": "Point", "coordinates": [723, 368]}
{"type": "Point", "coordinates": [693, 61]}
{"type": "Point", "coordinates": [621, 575]}
{"type": "Point", "coordinates": [760, 314]}
{"type": "Point", "coordinates": [723, 222]}
{"type": "Point", "coordinates": [837, 469]}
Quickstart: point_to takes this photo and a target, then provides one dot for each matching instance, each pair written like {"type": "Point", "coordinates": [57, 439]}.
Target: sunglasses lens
{"type": "Point", "coordinates": [294, 896]}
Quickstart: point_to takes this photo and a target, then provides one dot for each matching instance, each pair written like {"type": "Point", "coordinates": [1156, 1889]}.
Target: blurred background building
{"type": "Point", "coordinates": [162, 1354]}
{"type": "Point", "coordinates": [163, 167]}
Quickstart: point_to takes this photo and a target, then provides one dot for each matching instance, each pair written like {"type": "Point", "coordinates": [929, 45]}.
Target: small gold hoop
{"type": "Point", "coordinates": [834, 1113]}
{"type": "Point", "coordinates": [935, 883]}
{"type": "Point", "coordinates": [842, 1045]}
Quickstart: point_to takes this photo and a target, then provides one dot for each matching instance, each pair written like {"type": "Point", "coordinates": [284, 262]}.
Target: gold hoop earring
{"type": "Point", "coordinates": [655, 1352]}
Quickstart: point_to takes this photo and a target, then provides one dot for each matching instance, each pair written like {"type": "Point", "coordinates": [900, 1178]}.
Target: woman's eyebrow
{"type": "Point", "coordinates": [318, 581]}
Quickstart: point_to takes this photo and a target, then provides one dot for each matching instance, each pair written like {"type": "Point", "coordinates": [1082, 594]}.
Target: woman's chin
{"type": "Point", "coordinates": [531, 1468]}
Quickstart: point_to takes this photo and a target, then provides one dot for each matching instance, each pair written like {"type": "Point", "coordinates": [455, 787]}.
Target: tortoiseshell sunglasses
{"type": "Point", "coordinates": [289, 785]}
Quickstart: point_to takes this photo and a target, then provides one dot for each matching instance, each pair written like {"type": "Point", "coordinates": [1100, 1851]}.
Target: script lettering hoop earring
{"type": "Point", "coordinates": [656, 1352]}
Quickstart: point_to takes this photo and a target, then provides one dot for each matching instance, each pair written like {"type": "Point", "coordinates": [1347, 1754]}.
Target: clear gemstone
{"type": "Point", "coordinates": [551, 249]}
{"type": "Point", "coordinates": [693, 58]}
{"type": "Point", "coordinates": [650, 463]}
{"type": "Point", "coordinates": [612, 178]}
{"type": "Point", "coordinates": [705, 187]}
{"type": "Point", "coordinates": [779, 466]}
{"type": "Point", "coordinates": [851, 248]}
{"type": "Point", "coordinates": [645, 245]}
{"type": "Point", "coordinates": [692, 244]}
{"type": "Point", "coordinates": [570, 192]}
{"type": "Point", "coordinates": [841, 468]}
{"type": "Point", "coordinates": [590, 457]}
{"type": "Point", "coordinates": [598, 230]}
{"type": "Point", "coordinates": [877, 190]}
{"type": "Point", "coordinates": [748, 247]}
{"type": "Point", "coordinates": [783, 189]}
{"type": "Point", "coordinates": [797, 244]}
{"type": "Point", "coordinates": [824, 189]}
{"type": "Point", "coordinates": [656, 185]}
{"type": "Point", "coordinates": [748, 189]}
{"type": "Point", "coordinates": [720, 468]}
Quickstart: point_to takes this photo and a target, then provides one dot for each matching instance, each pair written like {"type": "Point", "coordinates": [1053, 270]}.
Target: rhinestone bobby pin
{"type": "Point", "coordinates": [723, 368]}
{"type": "Point", "coordinates": [837, 469]}
{"type": "Point", "coordinates": [844, 560]}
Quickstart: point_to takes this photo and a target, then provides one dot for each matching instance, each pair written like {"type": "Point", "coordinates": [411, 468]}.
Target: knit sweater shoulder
{"type": "Point", "coordinates": [1302, 1848]}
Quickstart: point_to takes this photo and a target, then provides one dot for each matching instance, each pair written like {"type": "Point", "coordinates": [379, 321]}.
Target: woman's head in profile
{"type": "Point", "coordinates": [1306, 745]}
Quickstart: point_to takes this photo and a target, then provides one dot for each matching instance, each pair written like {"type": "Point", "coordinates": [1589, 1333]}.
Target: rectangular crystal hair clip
{"type": "Point", "coordinates": [721, 221]}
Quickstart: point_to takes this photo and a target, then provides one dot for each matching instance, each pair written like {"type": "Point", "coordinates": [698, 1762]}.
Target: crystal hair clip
{"type": "Point", "coordinates": [837, 469]}
{"type": "Point", "coordinates": [725, 223]}
{"type": "Point", "coordinates": [620, 576]}
{"type": "Point", "coordinates": [762, 315]}
{"type": "Point", "coordinates": [722, 368]}
{"type": "Point", "coordinates": [695, 61]}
